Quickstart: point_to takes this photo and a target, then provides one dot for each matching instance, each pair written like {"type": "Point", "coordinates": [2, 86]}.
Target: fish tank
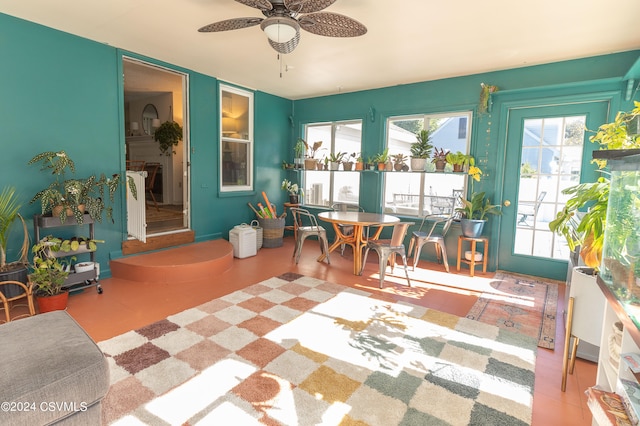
{"type": "Point", "coordinates": [620, 263]}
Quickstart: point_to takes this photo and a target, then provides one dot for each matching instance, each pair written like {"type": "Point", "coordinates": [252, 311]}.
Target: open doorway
{"type": "Point", "coordinates": [154, 96]}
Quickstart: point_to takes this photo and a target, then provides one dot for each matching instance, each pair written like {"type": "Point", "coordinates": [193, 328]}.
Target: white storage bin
{"type": "Point", "coordinates": [243, 240]}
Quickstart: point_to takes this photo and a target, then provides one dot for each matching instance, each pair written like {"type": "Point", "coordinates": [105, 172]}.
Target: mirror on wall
{"type": "Point", "coordinates": [149, 119]}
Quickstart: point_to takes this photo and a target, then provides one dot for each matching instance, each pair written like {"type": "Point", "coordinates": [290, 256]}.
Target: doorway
{"type": "Point", "coordinates": [154, 96]}
{"type": "Point", "coordinates": [550, 145]}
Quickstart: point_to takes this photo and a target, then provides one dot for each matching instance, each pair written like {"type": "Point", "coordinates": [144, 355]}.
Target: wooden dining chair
{"type": "Point", "coordinates": [136, 165]}
{"type": "Point", "coordinates": [388, 250]}
{"type": "Point", "coordinates": [306, 225]}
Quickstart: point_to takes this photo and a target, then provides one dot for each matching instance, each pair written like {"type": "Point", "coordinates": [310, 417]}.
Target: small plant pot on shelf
{"type": "Point", "coordinates": [310, 163]}
{"type": "Point", "coordinates": [294, 199]}
{"type": "Point", "coordinates": [84, 267]}
{"type": "Point", "coordinates": [417, 164]}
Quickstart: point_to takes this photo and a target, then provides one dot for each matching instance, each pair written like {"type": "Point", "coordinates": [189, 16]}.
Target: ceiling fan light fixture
{"type": "Point", "coordinates": [280, 29]}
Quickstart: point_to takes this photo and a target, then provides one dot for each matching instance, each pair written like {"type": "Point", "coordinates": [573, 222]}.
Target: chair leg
{"type": "Point", "coordinates": [298, 251]}
{"type": "Point", "coordinates": [411, 243]}
{"type": "Point", "coordinates": [443, 250]}
{"type": "Point", "coordinates": [324, 246]}
{"type": "Point", "coordinates": [406, 273]}
{"type": "Point", "coordinates": [416, 255]}
{"type": "Point", "coordinates": [364, 260]}
{"type": "Point", "coordinates": [155, 203]}
{"type": "Point", "coordinates": [382, 265]}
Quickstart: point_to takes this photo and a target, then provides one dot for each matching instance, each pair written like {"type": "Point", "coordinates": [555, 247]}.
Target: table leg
{"type": "Point", "coordinates": [484, 259]}
{"type": "Point", "coordinates": [340, 239]}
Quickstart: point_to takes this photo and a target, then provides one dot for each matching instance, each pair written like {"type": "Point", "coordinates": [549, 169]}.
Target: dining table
{"type": "Point", "coordinates": [358, 239]}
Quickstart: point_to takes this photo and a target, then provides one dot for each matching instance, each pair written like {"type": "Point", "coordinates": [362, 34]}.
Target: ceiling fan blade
{"type": "Point", "coordinates": [258, 4]}
{"type": "Point", "coordinates": [331, 25]}
{"type": "Point", "coordinates": [307, 6]}
{"type": "Point", "coordinates": [286, 47]}
{"type": "Point", "coordinates": [230, 24]}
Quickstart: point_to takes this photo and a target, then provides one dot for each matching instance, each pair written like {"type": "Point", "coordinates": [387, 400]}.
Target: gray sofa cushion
{"type": "Point", "coordinates": [50, 369]}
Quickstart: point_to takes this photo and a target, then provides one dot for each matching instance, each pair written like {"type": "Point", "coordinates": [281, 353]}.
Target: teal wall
{"type": "Point", "coordinates": [63, 92]}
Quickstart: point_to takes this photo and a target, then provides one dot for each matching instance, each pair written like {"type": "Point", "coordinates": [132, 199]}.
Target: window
{"type": "Point", "coordinates": [322, 188]}
{"type": "Point", "coordinates": [236, 147]}
{"type": "Point", "coordinates": [418, 194]}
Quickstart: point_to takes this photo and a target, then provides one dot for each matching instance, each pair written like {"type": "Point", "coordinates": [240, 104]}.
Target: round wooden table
{"type": "Point", "coordinates": [356, 240]}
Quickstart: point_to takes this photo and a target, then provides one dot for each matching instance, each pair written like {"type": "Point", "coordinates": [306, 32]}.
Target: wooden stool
{"type": "Point", "coordinates": [472, 262]}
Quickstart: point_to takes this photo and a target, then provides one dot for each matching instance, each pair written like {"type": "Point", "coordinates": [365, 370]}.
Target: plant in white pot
{"type": "Point", "coordinates": [476, 209]}
{"type": "Point", "coordinates": [421, 150]}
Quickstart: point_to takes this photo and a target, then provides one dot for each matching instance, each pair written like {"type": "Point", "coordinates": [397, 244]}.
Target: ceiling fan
{"type": "Point", "coordinates": [284, 18]}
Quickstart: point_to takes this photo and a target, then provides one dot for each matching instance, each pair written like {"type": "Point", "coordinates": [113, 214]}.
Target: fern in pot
{"type": "Point", "coordinates": [168, 135]}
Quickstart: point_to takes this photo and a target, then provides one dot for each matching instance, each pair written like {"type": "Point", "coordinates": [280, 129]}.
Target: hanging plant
{"type": "Point", "coordinates": [168, 135]}
{"type": "Point", "coordinates": [485, 94]}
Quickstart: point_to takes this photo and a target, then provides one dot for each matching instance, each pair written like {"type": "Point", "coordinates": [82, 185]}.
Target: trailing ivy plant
{"type": "Point", "coordinates": [168, 135]}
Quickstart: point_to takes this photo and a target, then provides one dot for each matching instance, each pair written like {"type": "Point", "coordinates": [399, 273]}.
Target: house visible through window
{"type": "Point", "coordinates": [324, 188]}
{"type": "Point", "coordinates": [236, 147]}
{"type": "Point", "coordinates": [430, 192]}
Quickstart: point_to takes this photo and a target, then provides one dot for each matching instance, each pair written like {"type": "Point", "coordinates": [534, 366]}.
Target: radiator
{"type": "Point", "coordinates": [136, 208]}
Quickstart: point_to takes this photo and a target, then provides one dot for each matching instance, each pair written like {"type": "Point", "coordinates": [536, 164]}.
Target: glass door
{"type": "Point", "coordinates": [547, 150]}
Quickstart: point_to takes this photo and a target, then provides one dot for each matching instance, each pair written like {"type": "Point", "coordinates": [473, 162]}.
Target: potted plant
{"type": "Point", "coordinates": [311, 150]}
{"type": "Point", "coordinates": [9, 215]}
{"type": "Point", "coordinates": [299, 148]}
{"type": "Point", "coordinates": [168, 135]}
{"type": "Point", "coordinates": [72, 197]}
{"type": "Point", "coordinates": [47, 277]}
{"type": "Point", "coordinates": [476, 209]}
{"type": "Point", "coordinates": [440, 159]}
{"type": "Point", "coordinates": [359, 162]}
{"type": "Point", "coordinates": [421, 150]}
{"type": "Point", "coordinates": [399, 162]}
{"type": "Point", "coordinates": [347, 164]}
{"type": "Point", "coordinates": [335, 158]}
{"type": "Point", "coordinates": [293, 190]}
{"type": "Point", "coordinates": [459, 160]}
{"type": "Point", "coordinates": [371, 162]}
{"type": "Point", "coordinates": [382, 159]}
{"type": "Point", "coordinates": [585, 229]}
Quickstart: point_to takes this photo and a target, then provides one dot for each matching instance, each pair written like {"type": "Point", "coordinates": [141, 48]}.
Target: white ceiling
{"type": "Point", "coordinates": [407, 40]}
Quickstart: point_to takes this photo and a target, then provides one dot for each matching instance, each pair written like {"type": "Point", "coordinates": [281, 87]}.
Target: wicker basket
{"type": "Point", "coordinates": [273, 232]}
{"type": "Point", "coordinates": [256, 225]}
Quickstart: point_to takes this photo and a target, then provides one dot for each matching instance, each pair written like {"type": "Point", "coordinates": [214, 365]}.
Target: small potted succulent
{"type": "Point", "coordinates": [399, 162]}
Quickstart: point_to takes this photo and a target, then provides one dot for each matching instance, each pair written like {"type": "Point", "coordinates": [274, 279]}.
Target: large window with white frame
{"type": "Point", "coordinates": [323, 188]}
{"type": "Point", "coordinates": [236, 139]}
{"type": "Point", "coordinates": [429, 192]}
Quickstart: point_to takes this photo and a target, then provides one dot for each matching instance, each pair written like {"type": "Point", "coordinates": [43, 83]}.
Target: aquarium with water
{"type": "Point", "coordinates": [620, 265]}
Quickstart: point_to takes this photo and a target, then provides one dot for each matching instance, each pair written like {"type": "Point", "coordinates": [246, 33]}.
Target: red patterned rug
{"type": "Point", "coordinates": [520, 303]}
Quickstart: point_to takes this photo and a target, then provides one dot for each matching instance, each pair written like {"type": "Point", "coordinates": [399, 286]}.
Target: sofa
{"type": "Point", "coordinates": [51, 372]}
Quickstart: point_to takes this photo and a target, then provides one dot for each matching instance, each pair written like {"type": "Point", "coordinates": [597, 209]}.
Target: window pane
{"type": "Point", "coordinates": [550, 162]}
{"type": "Point", "coordinates": [323, 188]}
{"type": "Point", "coordinates": [234, 163]}
{"type": "Point", "coordinates": [416, 193]}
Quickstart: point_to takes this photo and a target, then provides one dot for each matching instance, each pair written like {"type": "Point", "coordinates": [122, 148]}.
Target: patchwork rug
{"type": "Point", "coordinates": [295, 350]}
{"type": "Point", "coordinates": [520, 303]}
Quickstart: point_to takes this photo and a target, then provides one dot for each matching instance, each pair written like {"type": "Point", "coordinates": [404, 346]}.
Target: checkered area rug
{"type": "Point", "coordinates": [295, 350]}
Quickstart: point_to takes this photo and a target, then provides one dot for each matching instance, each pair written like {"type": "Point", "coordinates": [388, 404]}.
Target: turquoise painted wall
{"type": "Point", "coordinates": [62, 92]}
